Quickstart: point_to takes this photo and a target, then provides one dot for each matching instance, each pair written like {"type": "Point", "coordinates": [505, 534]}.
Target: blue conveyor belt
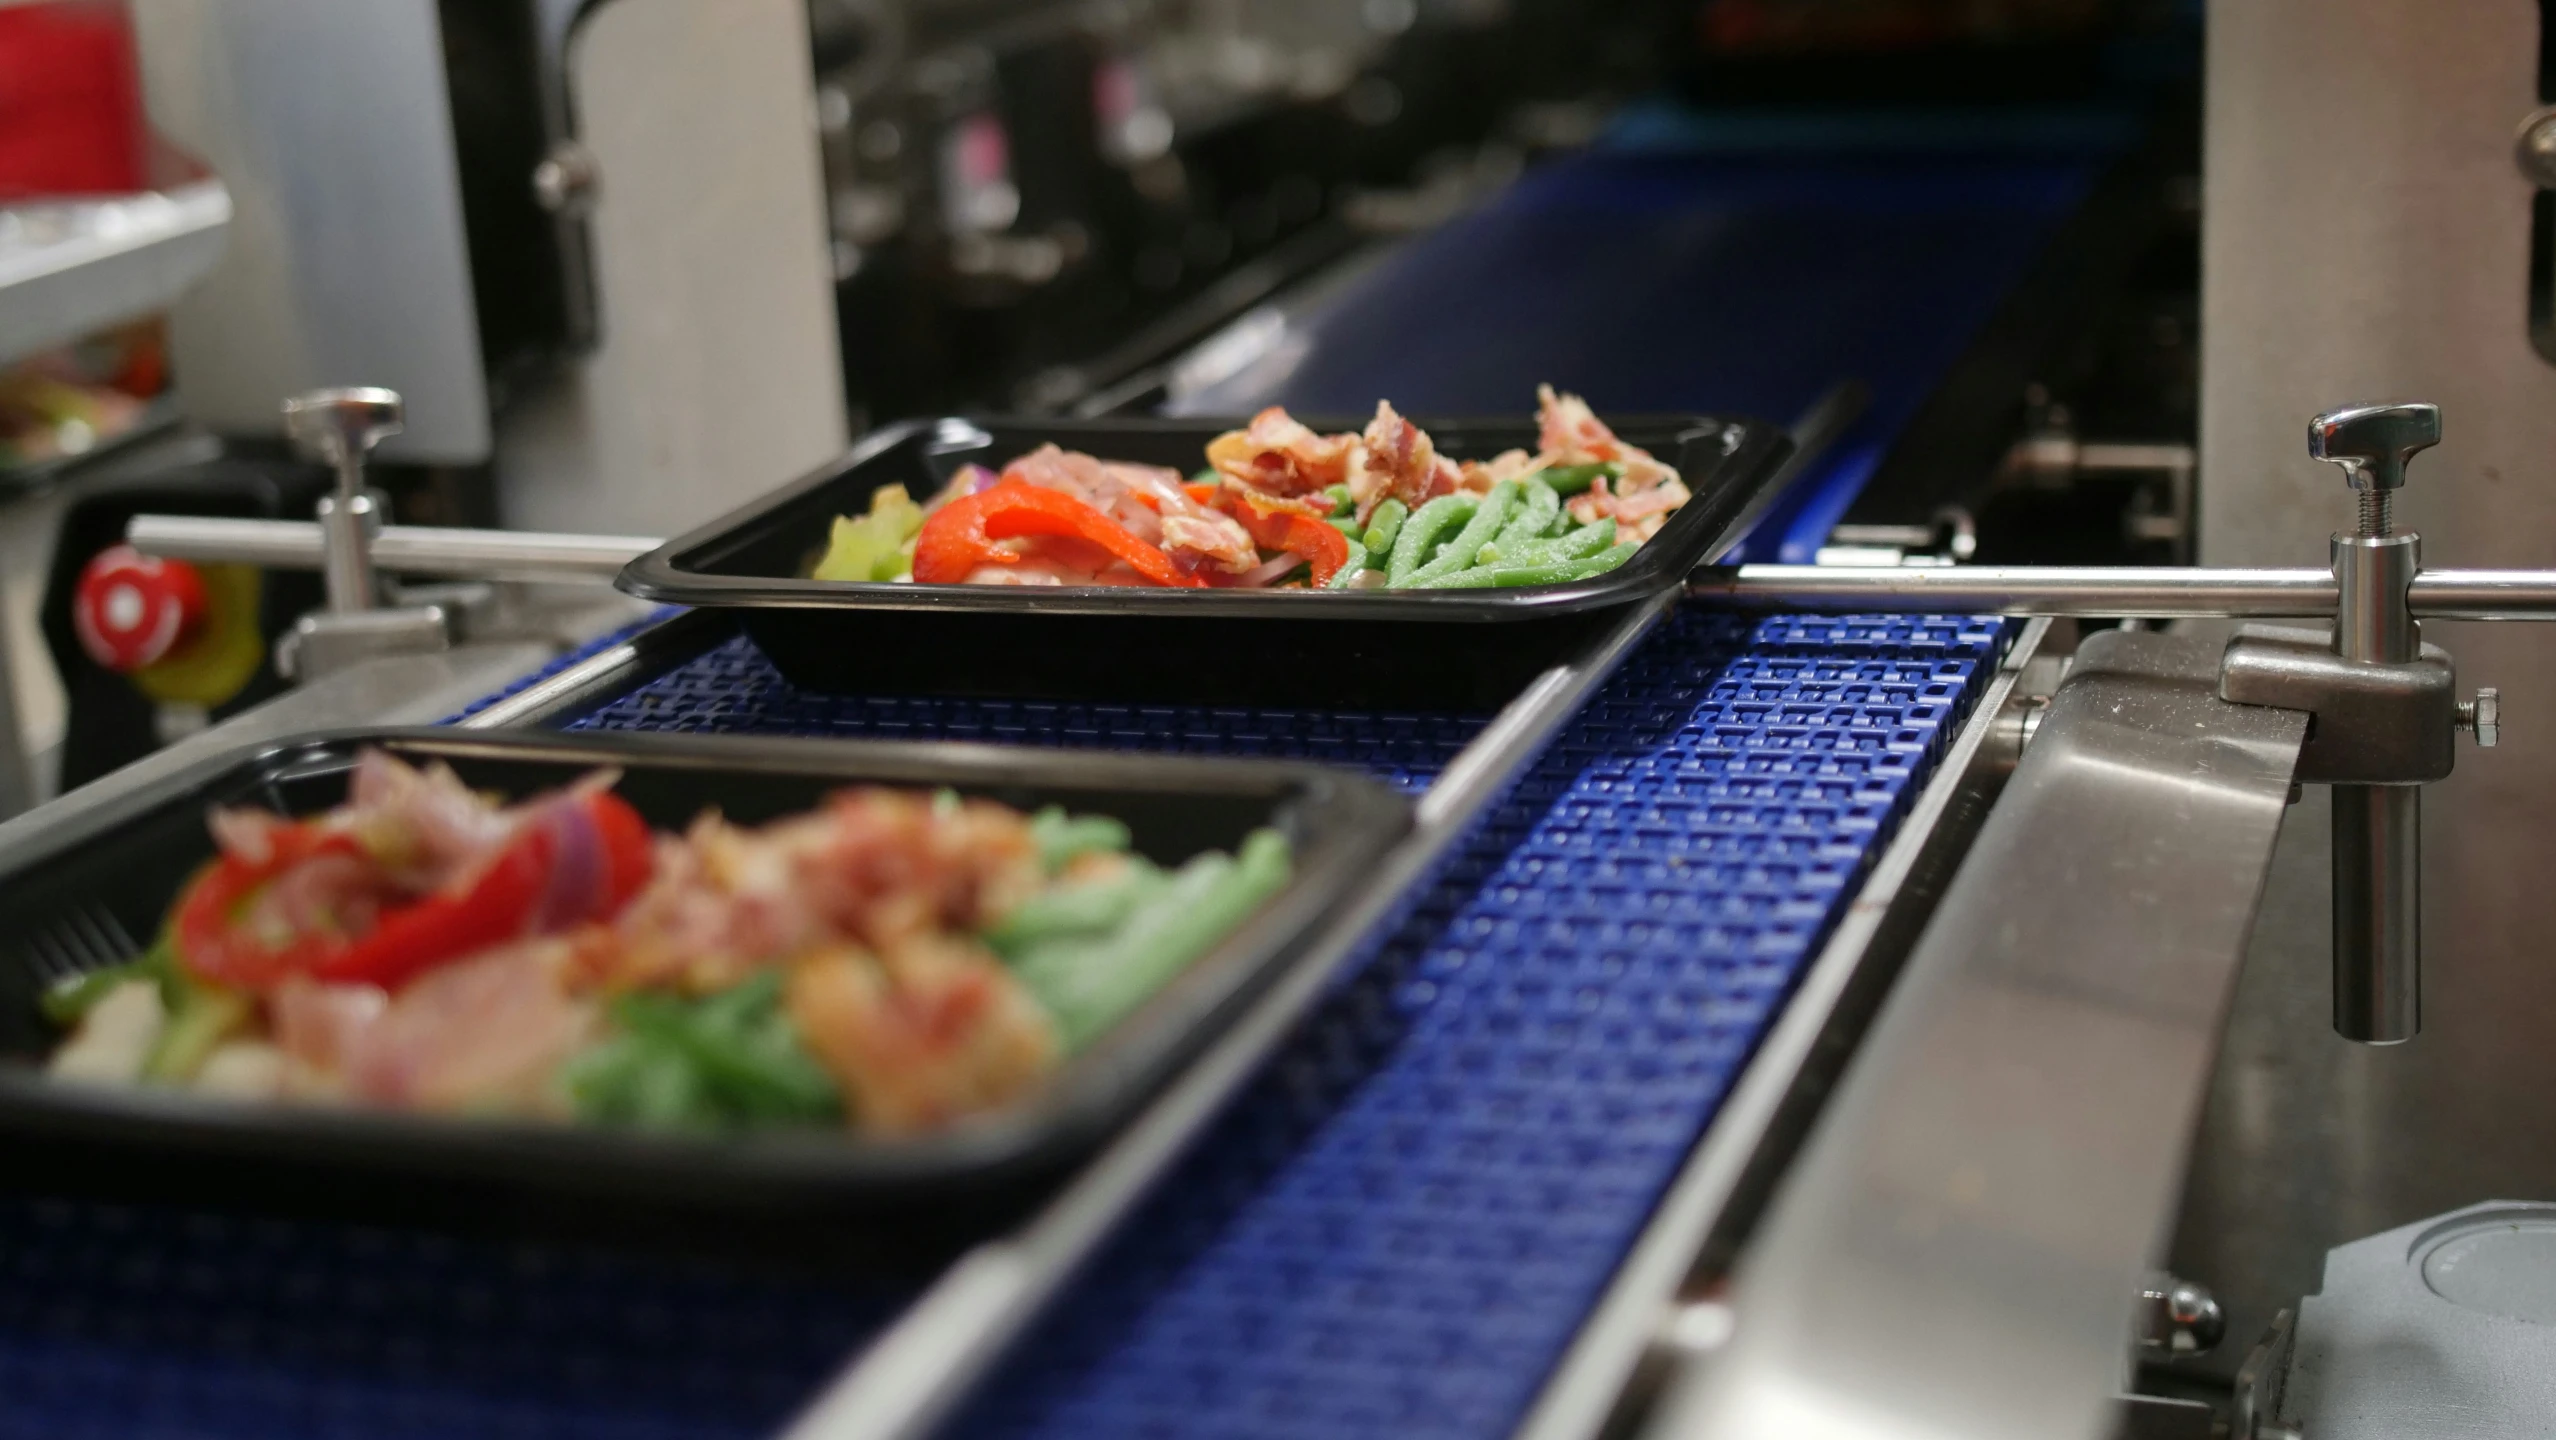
{"type": "Point", "coordinates": [1394, 1233]}
{"type": "Point", "coordinates": [1671, 279]}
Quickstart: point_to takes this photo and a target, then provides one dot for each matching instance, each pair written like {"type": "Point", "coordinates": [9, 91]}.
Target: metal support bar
{"type": "Point", "coordinates": [2146, 592]}
{"type": "Point", "coordinates": [403, 549]}
{"type": "Point", "coordinates": [2002, 1160]}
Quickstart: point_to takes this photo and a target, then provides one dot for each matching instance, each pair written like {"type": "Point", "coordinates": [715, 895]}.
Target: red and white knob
{"type": "Point", "coordinates": [131, 610]}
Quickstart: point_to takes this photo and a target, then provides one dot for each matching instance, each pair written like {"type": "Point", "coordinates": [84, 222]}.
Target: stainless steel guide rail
{"type": "Point", "coordinates": [2143, 592]}
{"type": "Point", "coordinates": [2117, 592]}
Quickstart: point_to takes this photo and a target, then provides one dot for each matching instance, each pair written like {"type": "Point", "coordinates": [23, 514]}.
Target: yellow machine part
{"type": "Point", "coordinates": [220, 661]}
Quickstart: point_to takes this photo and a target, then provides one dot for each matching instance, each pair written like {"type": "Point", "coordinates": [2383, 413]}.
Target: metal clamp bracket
{"type": "Point", "coordinates": [2375, 723]}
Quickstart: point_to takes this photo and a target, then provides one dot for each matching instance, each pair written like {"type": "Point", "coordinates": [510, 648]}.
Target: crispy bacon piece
{"type": "Point", "coordinates": [933, 1030]}
{"type": "Point", "coordinates": [1396, 460]}
{"type": "Point", "coordinates": [1278, 455]}
{"type": "Point", "coordinates": [1640, 501]}
{"type": "Point", "coordinates": [877, 867]}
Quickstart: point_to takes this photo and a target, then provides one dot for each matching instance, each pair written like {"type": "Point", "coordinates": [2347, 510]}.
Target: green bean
{"type": "Point", "coordinates": [1552, 572]}
{"type": "Point", "coordinates": [1572, 479]}
{"type": "Point", "coordinates": [69, 1000]}
{"type": "Point", "coordinates": [1487, 519]}
{"type": "Point", "coordinates": [1535, 517]}
{"type": "Point", "coordinates": [1085, 909]}
{"type": "Point", "coordinates": [1346, 577]}
{"type": "Point", "coordinates": [1348, 525]}
{"type": "Point", "coordinates": [1340, 498]}
{"type": "Point", "coordinates": [1579, 544]}
{"type": "Point", "coordinates": [202, 1019]}
{"type": "Point", "coordinates": [745, 1056]}
{"type": "Point", "coordinates": [1423, 530]}
{"type": "Point", "coordinates": [1384, 525]}
{"type": "Point", "coordinates": [1089, 984]}
{"type": "Point", "coordinates": [1061, 837]}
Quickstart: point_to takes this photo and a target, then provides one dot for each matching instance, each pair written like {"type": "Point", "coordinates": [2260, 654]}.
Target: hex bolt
{"type": "Point", "coordinates": [2482, 717]}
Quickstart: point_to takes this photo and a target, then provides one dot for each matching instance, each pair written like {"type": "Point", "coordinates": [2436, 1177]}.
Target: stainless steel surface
{"type": "Point", "coordinates": [2260, 1381]}
{"type": "Point", "coordinates": [2375, 724]}
{"type": "Point", "coordinates": [2365, 233]}
{"type": "Point", "coordinates": [320, 645]}
{"type": "Point", "coordinates": [332, 126]}
{"type": "Point", "coordinates": [2378, 830]}
{"type": "Point", "coordinates": [339, 428]}
{"type": "Point", "coordinates": [911, 1375]}
{"type": "Point", "coordinates": [1780, 1092]}
{"type": "Point", "coordinates": [2446, 1326]}
{"type": "Point", "coordinates": [2374, 614]}
{"type": "Point", "coordinates": [1955, 1252]}
{"type": "Point", "coordinates": [70, 268]}
{"type": "Point", "coordinates": [2178, 1318]}
{"type": "Point", "coordinates": [409, 690]}
{"type": "Point", "coordinates": [400, 549]}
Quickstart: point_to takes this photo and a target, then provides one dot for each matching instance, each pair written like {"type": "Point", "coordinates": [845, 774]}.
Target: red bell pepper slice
{"type": "Point", "coordinates": [961, 535]}
{"type": "Point", "coordinates": [206, 923]}
{"type": "Point", "coordinates": [517, 893]}
{"type": "Point", "coordinates": [1286, 525]}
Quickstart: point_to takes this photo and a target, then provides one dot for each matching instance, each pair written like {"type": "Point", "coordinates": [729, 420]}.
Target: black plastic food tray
{"type": "Point", "coordinates": [1433, 649]}
{"type": "Point", "coordinates": [71, 895]}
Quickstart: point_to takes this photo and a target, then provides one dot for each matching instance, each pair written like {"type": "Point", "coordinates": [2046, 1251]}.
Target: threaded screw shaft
{"type": "Point", "coordinates": [2378, 512]}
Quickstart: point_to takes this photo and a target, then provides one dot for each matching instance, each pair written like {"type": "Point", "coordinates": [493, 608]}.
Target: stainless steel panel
{"type": "Point", "coordinates": [345, 263]}
{"type": "Point", "coordinates": [1958, 1250]}
{"type": "Point", "coordinates": [2366, 236]}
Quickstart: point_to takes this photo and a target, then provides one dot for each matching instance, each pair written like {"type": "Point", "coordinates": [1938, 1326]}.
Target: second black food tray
{"type": "Point", "coordinates": [1433, 649]}
{"type": "Point", "coordinates": [84, 895]}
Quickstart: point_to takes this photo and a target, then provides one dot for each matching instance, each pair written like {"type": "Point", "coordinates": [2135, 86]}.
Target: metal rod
{"type": "Point", "coordinates": [2378, 914]}
{"type": "Point", "coordinates": [2378, 829]}
{"type": "Point", "coordinates": [2146, 592]}
{"type": "Point", "coordinates": [404, 549]}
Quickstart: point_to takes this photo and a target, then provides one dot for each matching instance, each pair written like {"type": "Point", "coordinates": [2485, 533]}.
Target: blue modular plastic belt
{"type": "Point", "coordinates": [1394, 1233]}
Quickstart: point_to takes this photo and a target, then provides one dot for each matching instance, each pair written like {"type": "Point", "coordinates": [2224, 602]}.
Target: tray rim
{"type": "Point", "coordinates": [1754, 460]}
{"type": "Point", "coordinates": [1095, 1093]}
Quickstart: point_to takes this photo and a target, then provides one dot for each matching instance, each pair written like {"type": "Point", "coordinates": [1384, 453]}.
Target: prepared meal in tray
{"type": "Point", "coordinates": [1279, 506]}
{"type": "Point", "coordinates": [891, 961]}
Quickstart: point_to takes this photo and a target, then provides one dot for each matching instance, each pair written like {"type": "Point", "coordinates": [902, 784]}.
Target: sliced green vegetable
{"type": "Point", "coordinates": [1572, 479]}
{"type": "Point", "coordinates": [1421, 533]}
{"type": "Point", "coordinates": [1348, 525]}
{"type": "Point", "coordinates": [1383, 526]}
{"type": "Point", "coordinates": [1088, 983]}
{"type": "Point", "coordinates": [1061, 837]}
{"type": "Point", "coordinates": [1340, 498]}
{"type": "Point", "coordinates": [1547, 573]}
{"type": "Point", "coordinates": [1486, 522]}
{"type": "Point", "coordinates": [879, 545]}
